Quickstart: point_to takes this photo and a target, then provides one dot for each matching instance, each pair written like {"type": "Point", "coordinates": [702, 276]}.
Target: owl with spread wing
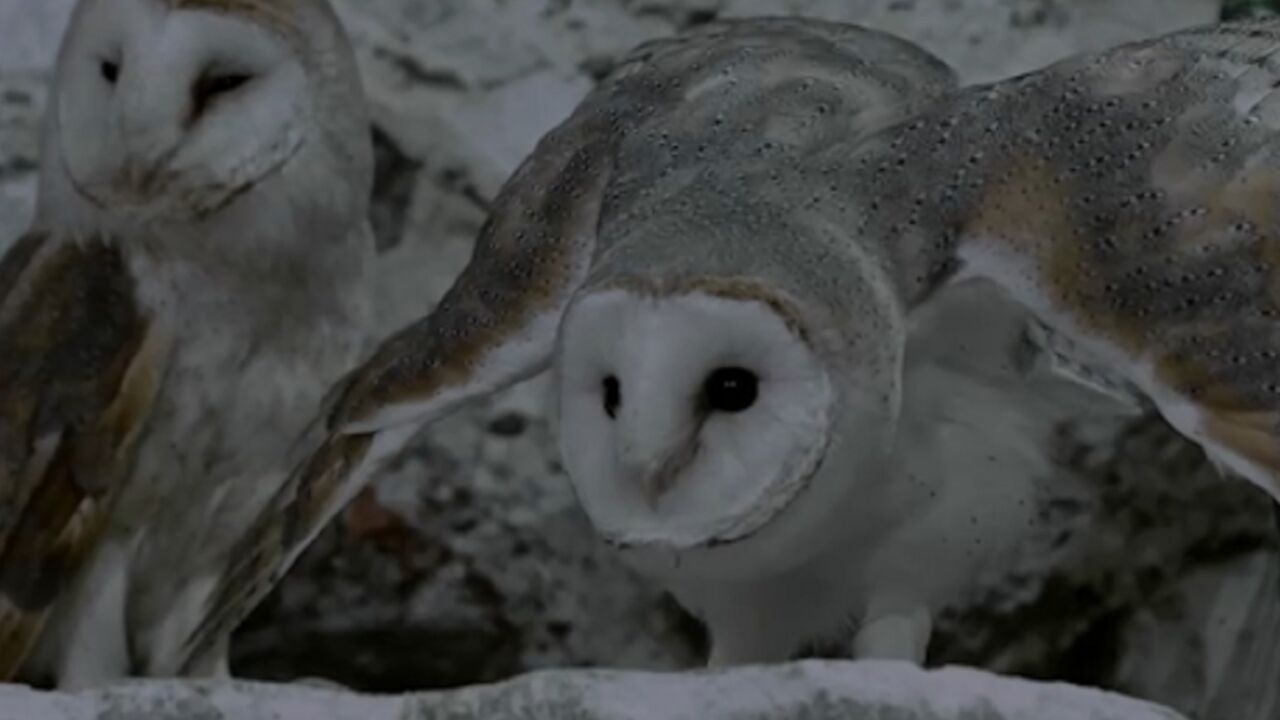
{"type": "Point", "coordinates": [735, 254]}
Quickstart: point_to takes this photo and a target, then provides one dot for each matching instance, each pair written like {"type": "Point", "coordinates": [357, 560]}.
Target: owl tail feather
{"type": "Point", "coordinates": [314, 492]}
{"type": "Point", "coordinates": [1246, 444]}
{"type": "Point", "coordinates": [19, 630]}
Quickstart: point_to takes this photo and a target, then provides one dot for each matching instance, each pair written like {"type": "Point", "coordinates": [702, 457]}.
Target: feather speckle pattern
{"type": "Point", "coordinates": [1130, 208]}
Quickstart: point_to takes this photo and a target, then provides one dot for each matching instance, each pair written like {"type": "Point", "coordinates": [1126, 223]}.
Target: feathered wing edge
{"type": "Point", "coordinates": [1176, 282]}
{"type": "Point", "coordinates": [81, 364]}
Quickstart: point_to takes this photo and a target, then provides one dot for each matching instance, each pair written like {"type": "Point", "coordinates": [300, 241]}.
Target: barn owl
{"type": "Point", "coordinates": [192, 281]}
{"type": "Point", "coordinates": [734, 336]}
{"type": "Point", "coordinates": [748, 90]}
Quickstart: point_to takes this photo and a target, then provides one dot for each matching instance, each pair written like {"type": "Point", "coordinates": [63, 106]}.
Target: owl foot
{"type": "Point", "coordinates": [749, 648]}
{"type": "Point", "coordinates": [321, 683]}
{"type": "Point", "coordinates": [895, 636]}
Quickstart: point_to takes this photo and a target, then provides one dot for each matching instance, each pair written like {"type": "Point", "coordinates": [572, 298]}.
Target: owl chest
{"type": "Point", "coordinates": [216, 443]}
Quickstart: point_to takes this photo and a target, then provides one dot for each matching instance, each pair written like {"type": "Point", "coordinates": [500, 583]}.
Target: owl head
{"type": "Point", "coordinates": [178, 109]}
{"type": "Point", "coordinates": [714, 395]}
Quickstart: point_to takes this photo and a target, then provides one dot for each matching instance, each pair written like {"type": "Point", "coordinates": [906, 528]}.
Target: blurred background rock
{"type": "Point", "coordinates": [468, 561]}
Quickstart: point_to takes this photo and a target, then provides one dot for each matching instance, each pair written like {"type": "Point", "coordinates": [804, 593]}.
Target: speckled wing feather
{"type": "Point", "coordinates": [1176, 277]}
{"type": "Point", "coordinates": [80, 365]}
{"type": "Point", "coordinates": [1131, 199]}
{"type": "Point", "coordinates": [742, 89]}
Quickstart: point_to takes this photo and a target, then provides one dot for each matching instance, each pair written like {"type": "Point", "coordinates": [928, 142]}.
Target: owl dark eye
{"type": "Point", "coordinates": [612, 396]}
{"type": "Point", "coordinates": [110, 71]}
{"type": "Point", "coordinates": [210, 87]}
{"type": "Point", "coordinates": [731, 389]}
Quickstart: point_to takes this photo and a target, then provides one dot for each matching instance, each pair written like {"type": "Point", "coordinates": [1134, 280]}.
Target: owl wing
{"type": "Point", "coordinates": [1135, 207]}
{"type": "Point", "coordinates": [80, 366]}
{"type": "Point", "coordinates": [497, 324]}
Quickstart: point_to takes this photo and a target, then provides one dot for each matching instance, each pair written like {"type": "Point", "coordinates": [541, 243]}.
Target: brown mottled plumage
{"type": "Point", "coordinates": [191, 285]}
{"type": "Point", "coordinates": [80, 364]}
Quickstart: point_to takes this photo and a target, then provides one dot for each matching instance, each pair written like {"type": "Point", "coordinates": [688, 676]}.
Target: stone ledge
{"type": "Point", "coordinates": [811, 690]}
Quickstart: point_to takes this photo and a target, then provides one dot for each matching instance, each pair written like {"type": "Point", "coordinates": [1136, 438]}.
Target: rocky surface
{"type": "Point", "coordinates": [470, 562]}
{"type": "Point", "coordinates": [802, 691]}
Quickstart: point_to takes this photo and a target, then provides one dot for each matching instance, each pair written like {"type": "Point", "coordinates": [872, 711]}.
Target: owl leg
{"type": "Point", "coordinates": [214, 664]}
{"type": "Point", "coordinates": [746, 649]}
{"type": "Point", "coordinates": [322, 683]}
{"type": "Point", "coordinates": [94, 644]}
{"type": "Point", "coordinates": [898, 632]}
{"type": "Point", "coordinates": [170, 626]}
{"type": "Point", "coordinates": [749, 635]}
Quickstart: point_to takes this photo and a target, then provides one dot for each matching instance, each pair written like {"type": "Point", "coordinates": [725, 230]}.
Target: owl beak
{"type": "Point", "coordinates": [654, 484]}
{"type": "Point", "coordinates": [138, 182]}
{"type": "Point", "coordinates": [651, 482]}
{"type": "Point", "coordinates": [149, 132]}
{"type": "Point", "coordinates": [657, 473]}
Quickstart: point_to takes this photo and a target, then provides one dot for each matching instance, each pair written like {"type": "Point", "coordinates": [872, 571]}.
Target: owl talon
{"type": "Point", "coordinates": [753, 650]}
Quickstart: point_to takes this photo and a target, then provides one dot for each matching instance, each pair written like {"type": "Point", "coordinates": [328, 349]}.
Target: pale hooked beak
{"type": "Point", "coordinates": [148, 133]}
{"type": "Point", "coordinates": [655, 473]}
{"type": "Point", "coordinates": [138, 183]}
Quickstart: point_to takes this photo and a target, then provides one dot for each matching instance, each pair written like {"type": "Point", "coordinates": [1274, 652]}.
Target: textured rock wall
{"type": "Point", "coordinates": [470, 562]}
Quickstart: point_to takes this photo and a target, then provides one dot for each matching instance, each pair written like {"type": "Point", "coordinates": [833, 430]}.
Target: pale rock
{"type": "Point", "coordinates": [802, 691]}
{"type": "Point", "coordinates": [31, 30]}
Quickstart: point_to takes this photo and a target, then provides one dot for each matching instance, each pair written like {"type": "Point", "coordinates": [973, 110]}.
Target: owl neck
{"type": "Point", "coordinates": [256, 265]}
{"type": "Point", "coordinates": [270, 294]}
{"type": "Point", "coordinates": [269, 313]}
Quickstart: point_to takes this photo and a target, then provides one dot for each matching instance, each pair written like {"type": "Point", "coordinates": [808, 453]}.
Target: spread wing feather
{"type": "Point", "coordinates": [1132, 199]}
{"type": "Point", "coordinates": [80, 366]}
